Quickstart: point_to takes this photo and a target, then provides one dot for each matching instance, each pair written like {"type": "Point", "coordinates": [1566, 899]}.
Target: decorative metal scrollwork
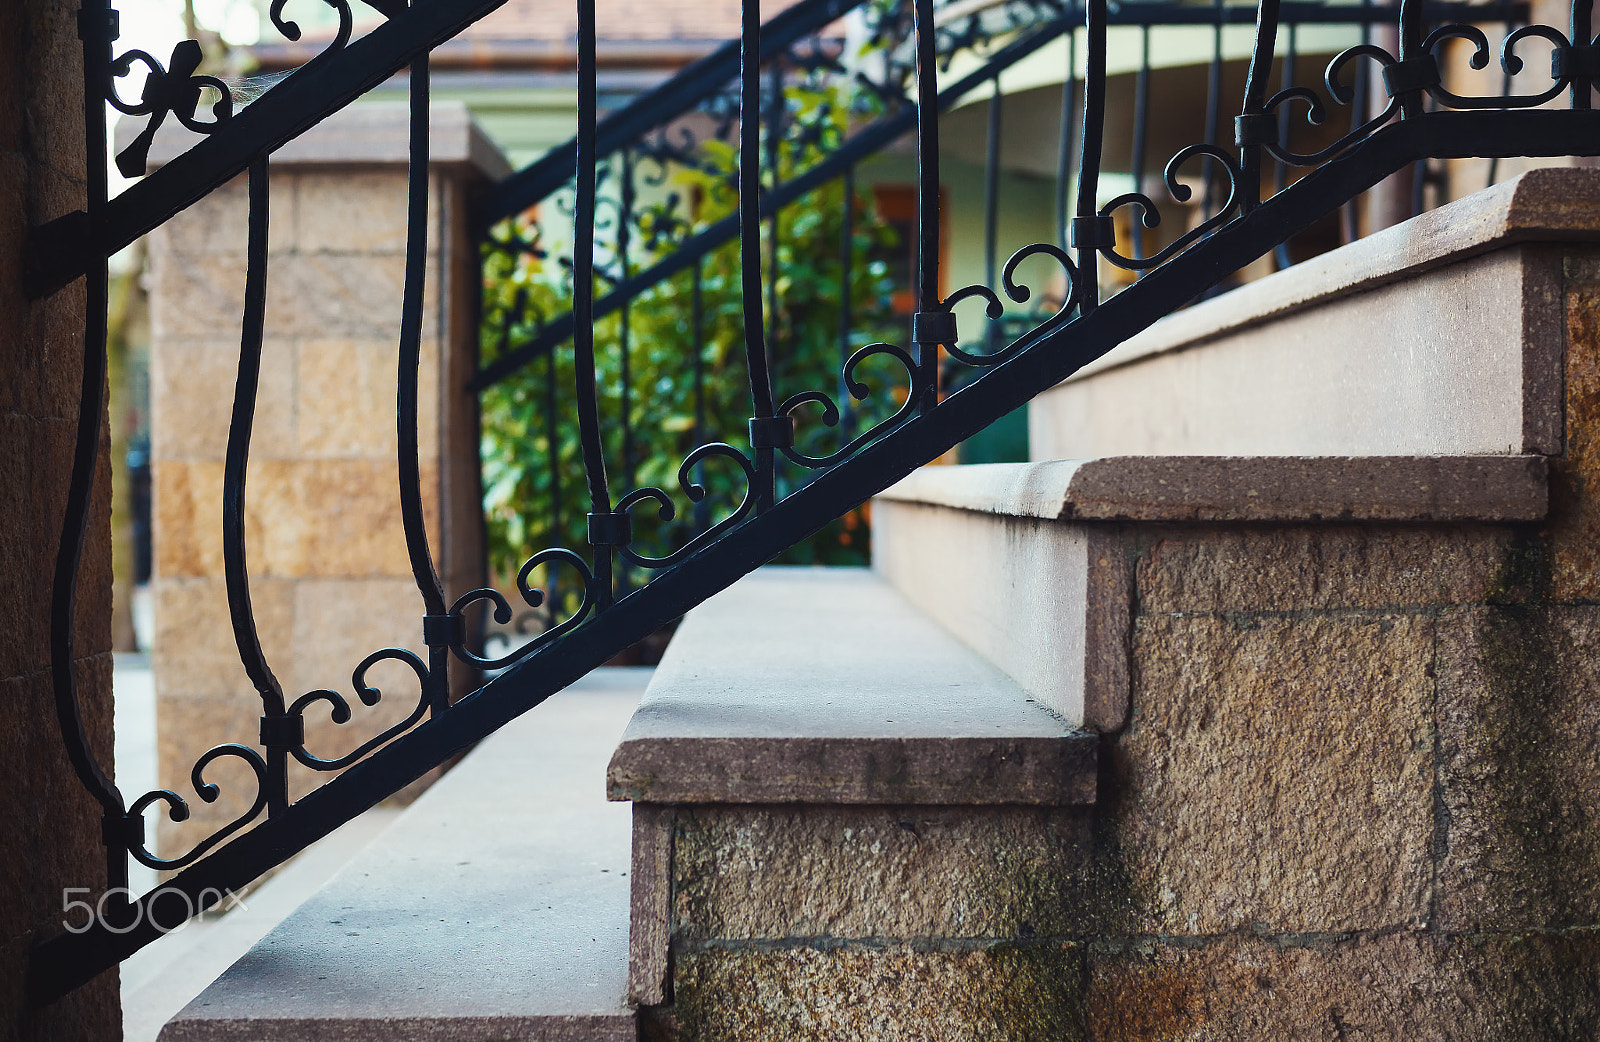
{"type": "Point", "coordinates": [369, 695]}
{"type": "Point", "coordinates": [171, 90]}
{"type": "Point", "coordinates": [178, 807]}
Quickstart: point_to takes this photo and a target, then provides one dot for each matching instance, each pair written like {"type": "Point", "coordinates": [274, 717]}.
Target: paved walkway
{"type": "Point", "coordinates": [162, 978]}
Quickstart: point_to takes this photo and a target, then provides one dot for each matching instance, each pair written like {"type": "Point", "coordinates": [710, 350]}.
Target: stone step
{"type": "Point", "coordinates": [1044, 568]}
{"type": "Point", "coordinates": [835, 805]}
{"type": "Point", "coordinates": [495, 907]}
{"type": "Point", "coordinates": [1441, 335]}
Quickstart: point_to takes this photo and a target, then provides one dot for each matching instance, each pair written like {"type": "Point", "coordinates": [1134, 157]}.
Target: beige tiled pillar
{"type": "Point", "coordinates": [330, 579]}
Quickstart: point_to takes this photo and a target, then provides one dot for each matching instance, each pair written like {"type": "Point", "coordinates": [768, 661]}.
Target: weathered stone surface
{"type": "Point", "coordinates": [219, 221]}
{"type": "Point", "coordinates": [327, 295]}
{"type": "Point", "coordinates": [339, 622]}
{"type": "Point", "coordinates": [1327, 568]}
{"type": "Point", "coordinates": [1434, 364]}
{"type": "Point", "coordinates": [1240, 488]}
{"type": "Point", "coordinates": [1277, 773]}
{"type": "Point", "coordinates": [186, 500]}
{"type": "Point", "coordinates": [880, 872]}
{"type": "Point", "coordinates": [187, 727]}
{"type": "Point", "coordinates": [194, 653]}
{"type": "Point", "coordinates": [1574, 530]}
{"type": "Point", "coordinates": [1414, 987]}
{"type": "Point", "coordinates": [196, 296]}
{"type": "Point", "coordinates": [1519, 702]}
{"type": "Point", "coordinates": [344, 400]}
{"type": "Point", "coordinates": [650, 905]}
{"type": "Point", "coordinates": [32, 497]}
{"type": "Point", "coordinates": [1047, 603]}
{"type": "Point", "coordinates": [907, 716]}
{"type": "Point", "coordinates": [362, 211]}
{"type": "Point", "coordinates": [191, 390]}
{"type": "Point", "coordinates": [324, 518]}
{"type": "Point", "coordinates": [49, 820]}
{"type": "Point", "coordinates": [1001, 993]}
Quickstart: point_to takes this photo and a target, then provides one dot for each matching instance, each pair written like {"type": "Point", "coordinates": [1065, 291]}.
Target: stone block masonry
{"type": "Point", "coordinates": [49, 822]}
{"type": "Point", "coordinates": [331, 581]}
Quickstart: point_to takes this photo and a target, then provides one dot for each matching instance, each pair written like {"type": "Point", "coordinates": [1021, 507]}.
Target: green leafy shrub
{"type": "Point", "coordinates": [528, 506]}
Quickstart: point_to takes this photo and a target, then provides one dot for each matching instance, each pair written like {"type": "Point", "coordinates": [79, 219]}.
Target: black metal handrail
{"type": "Point", "coordinates": [1025, 27]}
{"type": "Point", "coordinates": [1420, 118]}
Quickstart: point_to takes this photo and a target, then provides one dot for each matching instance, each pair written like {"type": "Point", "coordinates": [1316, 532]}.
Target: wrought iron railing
{"type": "Point", "coordinates": [1419, 118]}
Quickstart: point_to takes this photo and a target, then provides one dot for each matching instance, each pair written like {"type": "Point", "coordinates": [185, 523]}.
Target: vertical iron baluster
{"type": "Point", "coordinates": [606, 529]}
{"type": "Point", "coordinates": [702, 508]}
{"type": "Point", "coordinates": [624, 242]}
{"type": "Point", "coordinates": [1090, 232]}
{"type": "Point", "coordinates": [279, 731]}
{"type": "Point", "coordinates": [1411, 38]}
{"type": "Point", "coordinates": [846, 318]}
{"type": "Point", "coordinates": [1281, 173]}
{"type": "Point", "coordinates": [97, 28]}
{"type": "Point", "coordinates": [931, 325]}
{"type": "Point", "coordinates": [775, 114]}
{"type": "Point", "coordinates": [1505, 74]}
{"type": "Point", "coordinates": [1141, 127]}
{"type": "Point", "coordinates": [768, 431]}
{"type": "Point", "coordinates": [624, 268]}
{"type": "Point", "coordinates": [1255, 126]}
{"type": "Point", "coordinates": [1582, 85]}
{"type": "Point", "coordinates": [1208, 166]}
{"type": "Point", "coordinates": [1358, 116]}
{"type": "Point", "coordinates": [991, 205]}
{"type": "Point", "coordinates": [552, 437]}
{"type": "Point", "coordinates": [1069, 102]}
{"type": "Point", "coordinates": [440, 629]}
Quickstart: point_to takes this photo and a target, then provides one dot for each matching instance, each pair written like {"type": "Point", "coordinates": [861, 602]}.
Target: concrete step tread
{"type": "Point", "coordinates": [825, 685]}
{"type": "Point", "coordinates": [1243, 488]}
{"type": "Point", "coordinates": [495, 907]}
{"type": "Point", "coordinates": [1542, 205]}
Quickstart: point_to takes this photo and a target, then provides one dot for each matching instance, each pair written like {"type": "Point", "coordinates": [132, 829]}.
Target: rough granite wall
{"type": "Point", "coordinates": [50, 827]}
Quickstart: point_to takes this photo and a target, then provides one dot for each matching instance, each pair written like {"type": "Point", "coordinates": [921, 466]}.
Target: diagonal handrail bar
{"type": "Point", "coordinates": [70, 959]}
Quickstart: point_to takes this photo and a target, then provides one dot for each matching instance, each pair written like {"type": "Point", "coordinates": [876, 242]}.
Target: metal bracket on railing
{"type": "Point", "coordinates": [933, 327]}
{"type": "Point", "coordinates": [610, 529]}
{"type": "Point", "coordinates": [283, 732]}
{"type": "Point", "coordinates": [771, 432]}
{"type": "Point", "coordinates": [1092, 233]}
{"type": "Point", "coordinates": [1255, 129]}
{"type": "Point", "coordinates": [1411, 75]}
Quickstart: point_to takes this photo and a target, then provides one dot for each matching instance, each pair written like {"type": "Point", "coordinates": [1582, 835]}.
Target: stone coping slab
{"type": "Point", "coordinates": [1550, 204]}
{"type": "Point", "coordinates": [361, 134]}
{"type": "Point", "coordinates": [1243, 488]}
{"type": "Point", "coordinates": [494, 908]}
{"type": "Point", "coordinates": [823, 685]}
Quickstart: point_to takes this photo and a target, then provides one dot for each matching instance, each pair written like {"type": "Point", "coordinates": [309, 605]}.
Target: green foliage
{"type": "Point", "coordinates": [804, 347]}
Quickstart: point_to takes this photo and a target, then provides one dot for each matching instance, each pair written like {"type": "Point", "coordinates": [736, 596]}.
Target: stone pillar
{"type": "Point", "coordinates": [50, 823]}
{"type": "Point", "coordinates": [330, 579]}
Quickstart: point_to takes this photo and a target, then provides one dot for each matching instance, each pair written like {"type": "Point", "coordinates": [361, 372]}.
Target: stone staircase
{"type": "Point", "coordinates": [1266, 710]}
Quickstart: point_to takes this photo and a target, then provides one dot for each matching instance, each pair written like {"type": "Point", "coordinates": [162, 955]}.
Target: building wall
{"type": "Point", "coordinates": [49, 823]}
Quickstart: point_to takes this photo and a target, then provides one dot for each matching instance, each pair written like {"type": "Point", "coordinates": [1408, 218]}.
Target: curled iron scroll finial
{"type": "Point", "coordinates": [178, 807]}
